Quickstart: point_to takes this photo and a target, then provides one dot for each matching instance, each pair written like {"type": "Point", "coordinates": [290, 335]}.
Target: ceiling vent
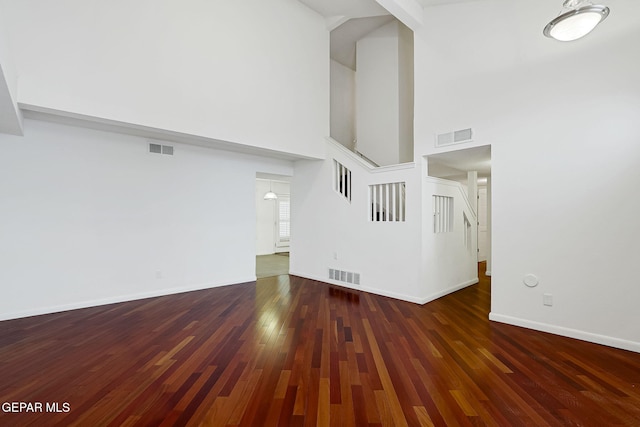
{"type": "Point", "coordinates": [456, 137]}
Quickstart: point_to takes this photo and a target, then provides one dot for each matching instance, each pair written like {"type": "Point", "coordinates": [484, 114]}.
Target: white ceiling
{"type": "Point", "coordinates": [455, 164]}
{"type": "Point", "coordinates": [350, 20]}
{"type": "Point", "coordinates": [344, 38]}
{"type": "Point", "coordinates": [361, 8]}
{"type": "Point", "coordinates": [346, 8]}
{"type": "Point", "coordinates": [427, 3]}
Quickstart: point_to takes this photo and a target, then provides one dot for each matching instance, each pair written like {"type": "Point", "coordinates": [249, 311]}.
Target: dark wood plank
{"type": "Point", "coordinates": [288, 351]}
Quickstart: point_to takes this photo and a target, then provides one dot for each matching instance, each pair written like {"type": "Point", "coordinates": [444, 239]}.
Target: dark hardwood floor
{"type": "Point", "coordinates": [291, 351]}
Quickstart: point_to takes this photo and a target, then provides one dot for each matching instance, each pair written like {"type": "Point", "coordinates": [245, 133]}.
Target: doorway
{"type": "Point", "coordinates": [273, 225]}
{"type": "Point", "coordinates": [455, 165]}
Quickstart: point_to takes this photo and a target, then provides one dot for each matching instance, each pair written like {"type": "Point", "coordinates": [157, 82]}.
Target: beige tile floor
{"type": "Point", "coordinates": [272, 265]}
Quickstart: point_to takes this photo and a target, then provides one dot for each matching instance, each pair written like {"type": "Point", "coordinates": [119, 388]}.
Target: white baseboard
{"type": "Point", "coordinates": [120, 298]}
{"type": "Point", "coordinates": [384, 293]}
{"type": "Point", "coordinates": [376, 291]}
{"type": "Point", "coordinates": [487, 273]}
{"type": "Point", "coordinates": [449, 290]}
{"type": "Point", "coordinates": [567, 332]}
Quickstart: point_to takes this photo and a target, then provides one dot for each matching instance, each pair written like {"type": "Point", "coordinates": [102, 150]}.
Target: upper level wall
{"type": "Point", "coordinates": [562, 120]}
{"type": "Point", "coordinates": [405, 94]}
{"type": "Point", "coordinates": [343, 104]}
{"type": "Point", "coordinates": [249, 72]}
{"type": "Point", "coordinates": [10, 115]}
{"type": "Point", "coordinates": [384, 103]}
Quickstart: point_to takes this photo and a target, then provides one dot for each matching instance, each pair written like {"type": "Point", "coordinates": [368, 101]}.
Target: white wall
{"type": "Point", "coordinates": [387, 255]}
{"type": "Point", "coordinates": [405, 94]}
{"type": "Point", "coordinates": [10, 115]}
{"type": "Point", "coordinates": [447, 264]}
{"type": "Point", "coordinates": [562, 119]}
{"type": "Point", "coordinates": [384, 67]}
{"type": "Point", "coordinates": [377, 95]}
{"type": "Point", "coordinates": [251, 72]}
{"type": "Point", "coordinates": [90, 217]}
{"type": "Point", "coordinates": [392, 258]}
{"type": "Point", "coordinates": [266, 214]}
{"type": "Point", "coordinates": [343, 104]}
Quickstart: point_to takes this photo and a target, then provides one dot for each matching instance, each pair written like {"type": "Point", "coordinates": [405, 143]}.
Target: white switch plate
{"type": "Point", "coordinates": [547, 299]}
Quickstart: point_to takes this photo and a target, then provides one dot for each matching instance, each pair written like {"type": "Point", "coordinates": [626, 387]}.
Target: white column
{"type": "Point", "coordinates": [472, 190]}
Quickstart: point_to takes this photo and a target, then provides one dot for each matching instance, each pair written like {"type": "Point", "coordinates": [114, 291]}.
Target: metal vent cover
{"type": "Point", "coordinates": [160, 149]}
{"type": "Point", "coordinates": [462, 135]}
{"type": "Point", "coordinates": [456, 137]}
{"type": "Point", "coordinates": [344, 276]}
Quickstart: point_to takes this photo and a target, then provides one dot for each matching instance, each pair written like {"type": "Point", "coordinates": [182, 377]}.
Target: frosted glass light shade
{"type": "Point", "coordinates": [576, 23]}
{"type": "Point", "coordinates": [270, 195]}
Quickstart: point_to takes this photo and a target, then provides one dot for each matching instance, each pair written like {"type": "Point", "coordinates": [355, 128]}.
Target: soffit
{"type": "Point", "coordinates": [427, 3]}
{"type": "Point", "coordinates": [361, 8]}
{"type": "Point", "coordinates": [346, 8]}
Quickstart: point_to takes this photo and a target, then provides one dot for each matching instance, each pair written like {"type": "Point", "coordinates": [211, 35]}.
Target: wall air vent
{"type": "Point", "coordinates": [456, 137]}
{"type": "Point", "coordinates": [160, 149]}
{"type": "Point", "coordinates": [344, 276]}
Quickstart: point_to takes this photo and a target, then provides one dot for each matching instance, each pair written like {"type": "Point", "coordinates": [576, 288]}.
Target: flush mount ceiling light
{"type": "Point", "coordinates": [580, 19]}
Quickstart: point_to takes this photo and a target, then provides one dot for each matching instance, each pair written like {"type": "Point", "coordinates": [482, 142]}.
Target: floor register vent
{"type": "Point", "coordinates": [344, 276]}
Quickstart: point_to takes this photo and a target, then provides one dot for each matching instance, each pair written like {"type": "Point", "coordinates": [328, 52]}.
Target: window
{"type": "Point", "coordinates": [284, 221]}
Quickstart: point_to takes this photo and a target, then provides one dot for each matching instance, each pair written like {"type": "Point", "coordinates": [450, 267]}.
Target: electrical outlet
{"type": "Point", "coordinates": [335, 256]}
{"type": "Point", "coordinates": [158, 274]}
{"type": "Point", "coordinates": [547, 299]}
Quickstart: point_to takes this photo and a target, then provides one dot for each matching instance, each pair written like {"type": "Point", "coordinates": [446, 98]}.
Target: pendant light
{"type": "Point", "coordinates": [270, 195]}
{"type": "Point", "coordinates": [579, 20]}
